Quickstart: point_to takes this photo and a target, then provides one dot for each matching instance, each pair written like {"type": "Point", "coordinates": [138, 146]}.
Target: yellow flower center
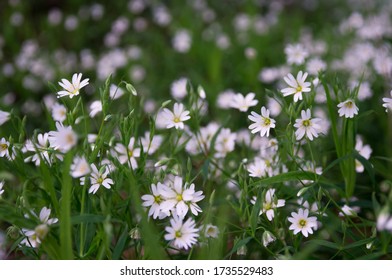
{"type": "Point", "coordinates": [302, 223]}
{"type": "Point", "coordinates": [349, 104]}
{"type": "Point", "coordinates": [267, 121]}
{"type": "Point", "coordinates": [130, 153]}
{"type": "Point", "coordinates": [178, 234]}
{"type": "Point", "coordinates": [100, 180]}
{"type": "Point", "coordinates": [69, 138]}
{"type": "Point", "coordinates": [179, 197]}
{"type": "Point", "coordinates": [267, 163]}
{"type": "Point", "coordinates": [298, 89]}
{"type": "Point", "coordinates": [306, 123]}
{"type": "Point", "coordinates": [3, 147]}
{"type": "Point", "coordinates": [176, 120]}
{"type": "Point", "coordinates": [267, 206]}
{"type": "Point", "coordinates": [157, 199]}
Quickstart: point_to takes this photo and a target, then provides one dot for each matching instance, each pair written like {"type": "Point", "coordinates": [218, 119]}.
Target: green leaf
{"type": "Point", "coordinates": [87, 218]}
{"type": "Point", "coordinates": [65, 213]}
{"type": "Point", "coordinates": [120, 244]}
{"type": "Point", "coordinates": [325, 243]}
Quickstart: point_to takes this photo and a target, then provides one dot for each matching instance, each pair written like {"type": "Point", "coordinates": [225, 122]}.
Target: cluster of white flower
{"type": "Point", "coordinates": [174, 199]}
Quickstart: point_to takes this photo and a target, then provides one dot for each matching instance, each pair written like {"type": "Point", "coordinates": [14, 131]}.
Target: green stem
{"type": "Point", "coordinates": [82, 225]}
{"type": "Point", "coordinates": [65, 215]}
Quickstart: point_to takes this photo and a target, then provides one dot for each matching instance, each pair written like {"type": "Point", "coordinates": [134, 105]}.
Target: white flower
{"type": "Point", "coordinates": [128, 154]}
{"type": "Point", "coordinates": [384, 221]}
{"type": "Point", "coordinates": [4, 116]}
{"type": "Point", "coordinates": [115, 92]}
{"type": "Point", "coordinates": [211, 231]}
{"type": "Point", "coordinates": [63, 139]}
{"type": "Point", "coordinates": [268, 238]}
{"type": "Point", "coordinates": [154, 201]}
{"type": "Point", "coordinates": [296, 85]}
{"type": "Point", "coordinates": [258, 168]}
{"type": "Point", "coordinates": [177, 117]}
{"type": "Point", "coordinates": [34, 237]}
{"type": "Point", "coordinates": [307, 126]}
{"type": "Point", "coordinates": [151, 145]}
{"type": "Point", "coordinates": [387, 102]}
{"type": "Point", "coordinates": [300, 222]}
{"type": "Point", "coordinates": [80, 167]}
{"type": "Point", "coordinates": [95, 108]}
{"type": "Point", "coordinates": [44, 216]}
{"type": "Point", "coordinates": [31, 239]}
{"type": "Point", "coordinates": [72, 90]}
{"type": "Point", "coordinates": [179, 198]}
{"type": "Point", "coordinates": [184, 235]}
{"type": "Point", "coordinates": [363, 150]}
{"type": "Point", "coordinates": [1, 187]}
{"type": "Point", "coordinates": [348, 211]}
{"type": "Point", "coordinates": [4, 146]}
{"type": "Point", "coordinates": [178, 88]}
{"type": "Point", "coordinates": [40, 149]}
{"type": "Point", "coordinates": [262, 123]}
{"type": "Point", "coordinates": [59, 112]}
{"type": "Point", "coordinates": [295, 54]}
{"type": "Point", "coordinates": [224, 143]}
{"type": "Point", "coordinates": [225, 98]}
{"type": "Point", "coordinates": [98, 178]}
{"type": "Point", "coordinates": [347, 108]}
{"type": "Point", "coordinates": [243, 103]}
{"type": "Point", "coordinates": [182, 41]}
{"type": "Point", "coordinates": [269, 204]}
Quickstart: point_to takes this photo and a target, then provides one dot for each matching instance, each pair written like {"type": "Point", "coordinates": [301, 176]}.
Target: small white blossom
{"type": "Point", "coordinates": [258, 168]}
{"type": "Point", "coordinates": [268, 238]}
{"type": "Point", "coordinates": [387, 102]}
{"type": "Point", "coordinates": [262, 123]}
{"type": "Point", "coordinates": [243, 103]}
{"type": "Point", "coordinates": [128, 154]}
{"type": "Point", "coordinates": [307, 126]}
{"type": "Point", "coordinates": [296, 85]}
{"type": "Point", "coordinates": [98, 178]}
{"type": "Point", "coordinates": [95, 108]}
{"type": "Point", "coordinates": [364, 150]}
{"type": "Point", "coordinates": [4, 116]}
{"type": "Point", "coordinates": [63, 139]}
{"type": "Point", "coordinates": [4, 146]}
{"type": "Point", "coordinates": [295, 54]}
{"type": "Point", "coordinates": [347, 108]}
{"type": "Point", "coordinates": [151, 145]}
{"type": "Point", "coordinates": [180, 198]}
{"type": "Point", "coordinates": [300, 222]}
{"type": "Point", "coordinates": [178, 88]}
{"type": "Point", "coordinates": [270, 202]}
{"type": "Point", "coordinates": [80, 167]}
{"type": "Point", "coordinates": [59, 112]}
{"type": "Point", "coordinates": [183, 234]}
{"type": "Point", "coordinates": [176, 118]}
{"type": "Point", "coordinates": [384, 221]}
{"type": "Point", "coordinates": [72, 90]}
{"type": "Point", "coordinates": [154, 201]}
{"type": "Point", "coordinates": [211, 231]}
{"type": "Point", "coordinates": [115, 92]}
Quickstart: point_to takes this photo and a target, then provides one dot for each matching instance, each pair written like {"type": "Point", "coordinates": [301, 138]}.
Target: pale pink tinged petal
{"type": "Point", "coordinates": [291, 220]}
{"type": "Point", "coordinates": [270, 214]}
{"type": "Point", "coordinates": [290, 80]}
{"type": "Point", "coordinates": [281, 203]}
{"type": "Point", "coordinates": [288, 91]}
{"type": "Point", "coordinates": [304, 232]}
